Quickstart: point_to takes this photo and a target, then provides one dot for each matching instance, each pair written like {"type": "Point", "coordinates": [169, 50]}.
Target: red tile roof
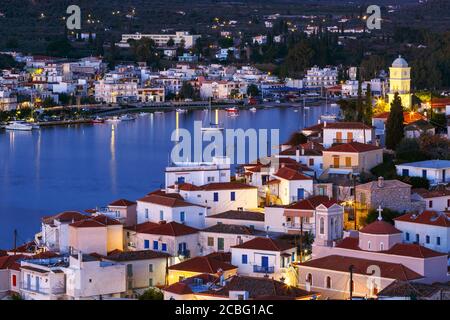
{"type": "Point", "coordinates": [312, 203]}
{"type": "Point", "coordinates": [95, 222]}
{"type": "Point", "coordinates": [166, 201]}
{"type": "Point", "coordinates": [408, 117]}
{"type": "Point", "coordinates": [353, 147]}
{"type": "Point", "coordinates": [360, 266]}
{"type": "Point", "coordinates": [179, 288]}
{"type": "Point", "coordinates": [11, 262]}
{"type": "Point", "coordinates": [239, 215]}
{"type": "Point", "coordinates": [380, 227]}
{"type": "Point", "coordinates": [266, 244]}
{"type": "Point", "coordinates": [205, 264]}
{"type": "Point", "coordinates": [163, 193]}
{"type": "Point", "coordinates": [142, 227]}
{"type": "Point", "coordinates": [215, 186]}
{"type": "Point", "coordinates": [426, 194]}
{"type": "Point", "coordinates": [400, 249]}
{"type": "Point", "coordinates": [260, 288]}
{"type": "Point", "coordinates": [136, 255]}
{"type": "Point", "coordinates": [66, 216]}
{"type": "Point", "coordinates": [173, 229]}
{"type": "Point", "coordinates": [122, 203]}
{"type": "Point", "coordinates": [413, 250]}
{"type": "Point", "coordinates": [427, 217]}
{"type": "Point", "coordinates": [291, 174]}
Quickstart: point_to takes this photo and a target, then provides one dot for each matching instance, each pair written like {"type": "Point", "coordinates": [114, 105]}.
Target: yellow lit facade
{"type": "Point", "coordinates": [400, 81]}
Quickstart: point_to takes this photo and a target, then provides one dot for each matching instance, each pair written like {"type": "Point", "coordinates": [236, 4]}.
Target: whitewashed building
{"type": "Point", "coordinates": [198, 173]}
{"type": "Point", "coordinates": [430, 229]}
{"type": "Point", "coordinates": [436, 171]}
{"type": "Point", "coordinates": [262, 255]}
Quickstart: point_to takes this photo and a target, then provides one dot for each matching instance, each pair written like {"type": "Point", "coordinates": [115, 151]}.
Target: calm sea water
{"type": "Point", "coordinates": [79, 167]}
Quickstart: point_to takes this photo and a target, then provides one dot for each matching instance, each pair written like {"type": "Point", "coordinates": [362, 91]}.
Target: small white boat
{"type": "Point", "coordinates": [19, 126]}
{"type": "Point", "coordinates": [252, 109]}
{"type": "Point", "coordinates": [328, 116]}
{"type": "Point", "coordinates": [179, 110]}
{"type": "Point", "coordinates": [143, 114]}
{"type": "Point", "coordinates": [126, 117]}
{"type": "Point", "coordinates": [211, 129]}
{"type": "Point", "coordinates": [114, 119]}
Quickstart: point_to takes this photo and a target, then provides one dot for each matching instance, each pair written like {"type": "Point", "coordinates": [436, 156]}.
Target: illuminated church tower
{"type": "Point", "coordinates": [400, 81]}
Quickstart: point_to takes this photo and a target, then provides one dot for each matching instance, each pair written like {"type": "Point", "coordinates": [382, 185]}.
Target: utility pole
{"type": "Point", "coordinates": [351, 281]}
{"type": "Point", "coordinates": [301, 239]}
{"type": "Point", "coordinates": [15, 241]}
{"type": "Point", "coordinates": [354, 202]}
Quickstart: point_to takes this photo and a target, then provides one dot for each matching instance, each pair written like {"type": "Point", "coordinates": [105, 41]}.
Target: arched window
{"type": "Point", "coordinates": [309, 278]}
{"type": "Point", "coordinates": [328, 282]}
{"type": "Point", "coordinates": [322, 225]}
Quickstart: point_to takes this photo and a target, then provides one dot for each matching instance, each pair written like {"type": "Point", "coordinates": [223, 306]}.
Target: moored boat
{"type": "Point", "coordinates": [19, 126]}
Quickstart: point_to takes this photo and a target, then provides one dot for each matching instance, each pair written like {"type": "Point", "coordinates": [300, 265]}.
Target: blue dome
{"type": "Point", "coordinates": [400, 63]}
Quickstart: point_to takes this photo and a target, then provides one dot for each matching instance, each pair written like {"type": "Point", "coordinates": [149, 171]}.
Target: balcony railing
{"type": "Point", "coordinates": [343, 140]}
{"type": "Point", "coordinates": [184, 253]}
{"type": "Point", "coordinates": [261, 269]}
{"type": "Point", "coordinates": [292, 225]}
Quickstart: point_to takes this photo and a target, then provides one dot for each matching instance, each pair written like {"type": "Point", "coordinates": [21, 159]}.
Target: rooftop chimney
{"type": "Point", "coordinates": [380, 182]}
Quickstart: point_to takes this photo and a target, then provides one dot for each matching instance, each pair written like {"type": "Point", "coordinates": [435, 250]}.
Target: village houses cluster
{"type": "Point", "coordinates": [286, 227]}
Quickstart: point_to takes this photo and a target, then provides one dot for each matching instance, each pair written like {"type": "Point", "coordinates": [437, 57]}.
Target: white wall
{"type": "Point", "coordinates": [244, 198]}
{"type": "Point", "coordinates": [228, 239]}
{"type": "Point", "coordinates": [194, 215]}
{"type": "Point", "coordinates": [191, 241]}
{"type": "Point", "coordinates": [358, 135]}
{"type": "Point", "coordinates": [94, 278]}
{"type": "Point", "coordinates": [433, 175]}
{"type": "Point", "coordinates": [423, 230]}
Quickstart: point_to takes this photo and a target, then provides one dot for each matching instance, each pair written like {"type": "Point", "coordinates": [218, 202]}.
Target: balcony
{"type": "Point", "coordinates": [297, 226]}
{"type": "Point", "coordinates": [261, 269]}
{"type": "Point", "coordinates": [342, 141]}
{"type": "Point", "coordinates": [184, 253]}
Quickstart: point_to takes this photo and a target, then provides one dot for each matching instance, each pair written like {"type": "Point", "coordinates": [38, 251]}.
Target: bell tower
{"type": "Point", "coordinates": [400, 81]}
{"type": "Point", "coordinates": [329, 224]}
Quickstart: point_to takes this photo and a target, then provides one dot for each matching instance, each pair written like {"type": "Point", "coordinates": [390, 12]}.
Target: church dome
{"type": "Point", "coordinates": [400, 63]}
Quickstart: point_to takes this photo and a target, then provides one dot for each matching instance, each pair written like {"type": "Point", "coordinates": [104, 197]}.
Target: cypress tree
{"type": "Point", "coordinates": [394, 125]}
{"type": "Point", "coordinates": [368, 112]}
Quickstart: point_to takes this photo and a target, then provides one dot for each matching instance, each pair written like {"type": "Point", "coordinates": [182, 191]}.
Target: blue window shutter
{"type": "Point", "coordinates": [233, 196]}
{"type": "Point", "coordinates": [216, 196]}
{"type": "Point", "coordinates": [164, 247]}
{"type": "Point", "coordinates": [146, 244]}
{"type": "Point", "coordinates": [155, 245]}
{"type": "Point", "coordinates": [244, 259]}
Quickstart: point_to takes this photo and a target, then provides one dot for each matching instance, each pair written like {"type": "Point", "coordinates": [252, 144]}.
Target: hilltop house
{"type": "Point", "coordinates": [436, 171]}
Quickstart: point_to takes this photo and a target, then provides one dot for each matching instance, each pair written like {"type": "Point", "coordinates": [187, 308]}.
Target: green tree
{"type": "Point", "coordinates": [298, 59]}
{"type": "Point", "coordinates": [59, 48]}
{"type": "Point", "coordinates": [225, 42]}
{"type": "Point", "coordinates": [368, 109]}
{"type": "Point", "coordinates": [394, 124]}
{"type": "Point", "coordinates": [408, 150]}
{"type": "Point", "coordinates": [170, 42]}
{"type": "Point", "coordinates": [388, 215]}
{"type": "Point", "coordinates": [48, 102]}
{"type": "Point", "coordinates": [297, 138]}
{"type": "Point", "coordinates": [252, 90]}
{"type": "Point", "coordinates": [152, 294]}
{"type": "Point", "coordinates": [187, 91]}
